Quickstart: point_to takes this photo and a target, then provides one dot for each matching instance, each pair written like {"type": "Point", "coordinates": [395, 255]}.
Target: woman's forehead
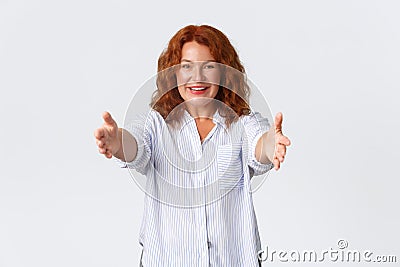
{"type": "Point", "coordinates": [193, 51]}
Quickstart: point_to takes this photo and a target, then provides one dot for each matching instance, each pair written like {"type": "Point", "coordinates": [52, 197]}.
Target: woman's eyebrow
{"type": "Point", "coordinates": [187, 60]}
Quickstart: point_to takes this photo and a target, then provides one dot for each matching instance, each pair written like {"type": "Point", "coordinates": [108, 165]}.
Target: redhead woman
{"type": "Point", "coordinates": [199, 147]}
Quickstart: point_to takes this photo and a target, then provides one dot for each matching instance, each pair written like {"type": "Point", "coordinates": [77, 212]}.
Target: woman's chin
{"type": "Point", "coordinates": [199, 101]}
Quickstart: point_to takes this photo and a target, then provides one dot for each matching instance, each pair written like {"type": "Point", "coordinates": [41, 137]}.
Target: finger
{"type": "Point", "coordinates": [284, 140]}
{"type": "Point", "coordinates": [276, 164]}
{"type": "Point", "coordinates": [281, 149]}
{"type": "Point", "coordinates": [99, 133]}
{"type": "Point", "coordinates": [108, 154]}
{"type": "Point", "coordinates": [101, 144]}
{"type": "Point", "coordinates": [105, 136]}
{"type": "Point", "coordinates": [283, 152]}
{"type": "Point", "coordinates": [281, 157]}
{"type": "Point", "coordinates": [278, 122]}
{"type": "Point", "coordinates": [102, 150]}
{"type": "Point", "coordinates": [108, 119]}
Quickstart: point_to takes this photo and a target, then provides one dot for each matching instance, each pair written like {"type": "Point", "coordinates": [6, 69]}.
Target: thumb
{"type": "Point", "coordinates": [108, 119]}
{"type": "Point", "coordinates": [278, 122]}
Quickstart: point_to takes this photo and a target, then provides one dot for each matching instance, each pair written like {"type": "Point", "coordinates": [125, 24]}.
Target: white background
{"type": "Point", "coordinates": [332, 68]}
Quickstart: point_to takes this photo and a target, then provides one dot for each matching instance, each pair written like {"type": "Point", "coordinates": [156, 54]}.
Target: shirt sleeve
{"type": "Point", "coordinates": [255, 126]}
{"type": "Point", "coordinates": [141, 128]}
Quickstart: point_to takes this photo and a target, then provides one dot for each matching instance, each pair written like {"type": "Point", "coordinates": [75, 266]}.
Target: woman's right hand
{"type": "Point", "coordinates": [107, 136]}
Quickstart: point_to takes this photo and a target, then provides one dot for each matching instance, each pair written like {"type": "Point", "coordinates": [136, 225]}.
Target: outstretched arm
{"type": "Point", "coordinates": [271, 147]}
{"type": "Point", "coordinates": [109, 140]}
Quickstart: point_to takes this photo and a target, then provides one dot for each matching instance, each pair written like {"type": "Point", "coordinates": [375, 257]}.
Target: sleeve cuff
{"type": "Point", "coordinates": [139, 154]}
{"type": "Point", "coordinates": [257, 166]}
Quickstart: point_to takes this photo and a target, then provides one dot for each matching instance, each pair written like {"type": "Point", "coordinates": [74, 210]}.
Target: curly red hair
{"type": "Point", "coordinates": [234, 90]}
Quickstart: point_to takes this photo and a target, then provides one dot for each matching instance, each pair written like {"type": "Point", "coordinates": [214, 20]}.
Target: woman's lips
{"type": "Point", "coordinates": [198, 90]}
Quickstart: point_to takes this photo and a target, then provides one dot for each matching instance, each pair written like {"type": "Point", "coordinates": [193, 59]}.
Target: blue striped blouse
{"type": "Point", "coordinates": [198, 202]}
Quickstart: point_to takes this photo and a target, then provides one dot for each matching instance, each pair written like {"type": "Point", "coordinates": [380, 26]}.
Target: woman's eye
{"type": "Point", "coordinates": [209, 66]}
{"type": "Point", "coordinates": [185, 66]}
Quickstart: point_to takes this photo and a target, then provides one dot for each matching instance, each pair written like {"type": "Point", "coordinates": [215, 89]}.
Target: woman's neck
{"type": "Point", "coordinates": [201, 110]}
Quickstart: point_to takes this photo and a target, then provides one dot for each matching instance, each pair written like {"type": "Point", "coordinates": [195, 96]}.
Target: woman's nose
{"type": "Point", "coordinates": [198, 74]}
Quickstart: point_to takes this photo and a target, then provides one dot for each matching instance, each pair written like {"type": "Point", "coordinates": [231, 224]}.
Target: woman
{"type": "Point", "coordinates": [199, 146]}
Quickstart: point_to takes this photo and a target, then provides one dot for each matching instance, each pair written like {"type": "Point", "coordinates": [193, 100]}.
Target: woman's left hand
{"type": "Point", "coordinates": [281, 142]}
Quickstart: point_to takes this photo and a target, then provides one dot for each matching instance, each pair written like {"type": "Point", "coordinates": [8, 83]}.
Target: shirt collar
{"type": "Point", "coordinates": [217, 118]}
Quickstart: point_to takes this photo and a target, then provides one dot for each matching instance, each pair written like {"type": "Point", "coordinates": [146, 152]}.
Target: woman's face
{"type": "Point", "coordinates": [198, 75]}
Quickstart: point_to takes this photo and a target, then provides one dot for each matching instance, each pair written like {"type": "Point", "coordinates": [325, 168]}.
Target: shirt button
{"type": "Point", "coordinates": [208, 243]}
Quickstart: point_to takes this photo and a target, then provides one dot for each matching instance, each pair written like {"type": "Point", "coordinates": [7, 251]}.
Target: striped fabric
{"type": "Point", "coordinates": [198, 205]}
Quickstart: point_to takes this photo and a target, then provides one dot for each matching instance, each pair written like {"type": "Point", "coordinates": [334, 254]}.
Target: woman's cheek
{"type": "Point", "coordinates": [181, 91]}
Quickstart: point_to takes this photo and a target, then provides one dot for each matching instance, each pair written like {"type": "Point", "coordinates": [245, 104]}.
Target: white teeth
{"type": "Point", "coordinates": [197, 88]}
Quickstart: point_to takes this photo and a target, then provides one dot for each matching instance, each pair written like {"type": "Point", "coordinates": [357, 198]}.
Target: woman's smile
{"type": "Point", "coordinates": [197, 89]}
